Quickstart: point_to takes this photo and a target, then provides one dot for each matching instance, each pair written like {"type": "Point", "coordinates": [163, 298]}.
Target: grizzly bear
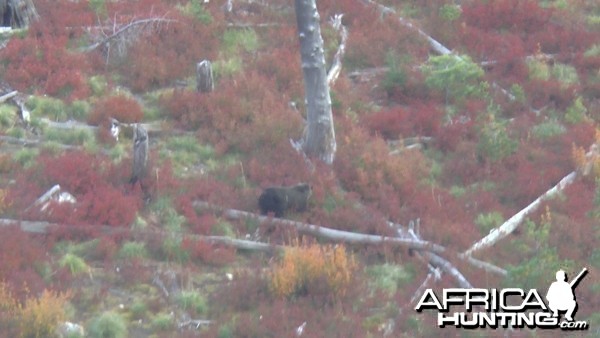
{"type": "Point", "coordinates": [278, 200]}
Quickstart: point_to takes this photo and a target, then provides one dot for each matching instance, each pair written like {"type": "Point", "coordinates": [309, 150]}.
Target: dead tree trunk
{"type": "Point", "coordinates": [17, 13]}
{"type": "Point", "coordinates": [204, 77]}
{"type": "Point", "coordinates": [319, 140]}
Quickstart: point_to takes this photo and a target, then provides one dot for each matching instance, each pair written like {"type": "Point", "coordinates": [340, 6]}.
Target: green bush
{"type": "Point", "coordinates": [98, 84]}
{"type": "Point", "coordinates": [131, 250]}
{"type": "Point", "coordinates": [69, 137]}
{"type": "Point", "coordinates": [457, 77]}
{"type": "Point", "coordinates": [8, 114]}
{"type": "Point", "coordinates": [547, 129]}
{"type": "Point", "coordinates": [566, 74]}
{"type": "Point", "coordinates": [226, 331]}
{"type": "Point", "coordinates": [450, 12]}
{"type": "Point", "coordinates": [79, 110]}
{"type": "Point", "coordinates": [192, 300]}
{"type": "Point", "coordinates": [26, 157]}
{"type": "Point", "coordinates": [396, 76]}
{"type": "Point", "coordinates": [488, 221]}
{"type": "Point", "coordinates": [138, 310]}
{"type": "Point", "coordinates": [239, 40]}
{"type": "Point", "coordinates": [196, 7]}
{"type": "Point", "coordinates": [389, 277]}
{"type": "Point", "coordinates": [162, 322]}
{"type": "Point", "coordinates": [494, 141]}
{"type": "Point", "coordinates": [74, 263]}
{"type": "Point", "coordinates": [108, 325]}
{"type": "Point", "coordinates": [576, 112]}
{"type": "Point", "coordinates": [49, 107]}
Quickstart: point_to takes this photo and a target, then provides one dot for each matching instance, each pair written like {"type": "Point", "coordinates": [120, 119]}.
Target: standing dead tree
{"type": "Point", "coordinates": [319, 141]}
{"type": "Point", "coordinates": [140, 154]}
{"type": "Point", "coordinates": [204, 77]}
{"type": "Point", "coordinates": [17, 13]}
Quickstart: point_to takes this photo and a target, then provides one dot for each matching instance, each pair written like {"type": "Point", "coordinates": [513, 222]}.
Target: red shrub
{"type": "Point", "coordinates": [77, 172]}
{"type": "Point", "coordinates": [462, 167]}
{"type": "Point", "coordinates": [208, 253]}
{"type": "Point", "coordinates": [388, 123]}
{"type": "Point", "coordinates": [20, 253]}
{"type": "Point", "coordinates": [167, 54]}
{"type": "Point", "coordinates": [44, 63]}
{"type": "Point", "coordinates": [63, 19]}
{"type": "Point", "coordinates": [368, 35]}
{"type": "Point", "coordinates": [282, 65]}
{"type": "Point", "coordinates": [363, 165]}
{"type": "Point", "coordinates": [282, 165]}
{"type": "Point", "coordinates": [107, 205]}
{"type": "Point", "coordinates": [550, 94]}
{"type": "Point", "coordinates": [120, 107]}
{"type": "Point", "coordinates": [188, 108]}
{"type": "Point", "coordinates": [418, 120]}
{"type": "Point", "coordinates": [451, 135]}
{"type": "Point", "coordinates": [579, 203]}
{"type": "Point", "coordinates": [88, 178]}
{"type": "Point", "coordinates": [520, 16]}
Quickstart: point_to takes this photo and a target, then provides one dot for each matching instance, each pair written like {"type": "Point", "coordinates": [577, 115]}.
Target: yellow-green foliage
{"type": "Point", "coordinates": [304, 266]}
{"type": "Point", "coordinates": [588, 161]}
{"type": "Point", "coordinates": [40, 316]}
{"type": "Point", "coordinates": [4, 202]}
{"type": "Point", "coordinates": [37, 317]}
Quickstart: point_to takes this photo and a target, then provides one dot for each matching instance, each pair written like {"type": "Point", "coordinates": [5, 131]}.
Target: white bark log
{"type": "Point", "coordinates": [41, 227]}
{"type": "Point", "coordinates": [324, 232]}
{"type": "Point", "coordinates": [512, 223]}
{"type": "Point", "coordinates": [46, 196]}
{"type": "Point", "coordinates": [8, 96]}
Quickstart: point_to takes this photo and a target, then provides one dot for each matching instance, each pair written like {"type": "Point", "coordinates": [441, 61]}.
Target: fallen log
{"type": "Point", "coordinates": [41, 227]}
{"type": "Point", "coordinates": [324, 232]}
{"type": "Point", "coordinates": [512, 223]}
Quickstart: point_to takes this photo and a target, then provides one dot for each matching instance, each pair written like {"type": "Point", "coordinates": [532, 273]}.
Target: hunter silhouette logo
{"type": "Point", "coordinates": [510, 307]}
{"type": "Point", "coordinates": [561, 295]}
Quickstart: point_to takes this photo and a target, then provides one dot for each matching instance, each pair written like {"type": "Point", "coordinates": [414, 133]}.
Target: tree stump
{"type": "Point", "coordinates": [17, 13]}
{"type": "Point", "coordinates": [204, 77]}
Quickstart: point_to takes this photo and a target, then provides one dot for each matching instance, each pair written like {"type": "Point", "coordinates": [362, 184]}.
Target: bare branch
{"type": "Point", "coordinates": [336, 66]}
{"type": "Point", "coordinates": [443, 264]}
{"type": "Point", "coordinates": [123, 36]}
{"type": "Point", "coordinates": [197, 323]}
{"type": "Point", "coordinates": [124, 29]}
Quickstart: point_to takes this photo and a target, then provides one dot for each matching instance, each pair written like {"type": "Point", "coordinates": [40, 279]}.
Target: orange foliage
{"type": "Point", "coordinates": [305, 266]}
{"type": "Point", "coordinates": [4, 203]}
{"type": "Point", "coordinates": [37, 317]}
{"type": "Point", "coordinates": [588, 162]}
{"type": "Point", "coordinates": [40, 316]}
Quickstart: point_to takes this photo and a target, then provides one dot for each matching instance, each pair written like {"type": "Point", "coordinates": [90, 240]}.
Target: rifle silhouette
{"type": "Point", "coordinates": [579, 277]}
